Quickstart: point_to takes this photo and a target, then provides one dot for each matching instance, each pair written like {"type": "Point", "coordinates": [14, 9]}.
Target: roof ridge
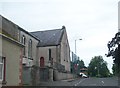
{"type": "Point", "coordinates": [46, 30]}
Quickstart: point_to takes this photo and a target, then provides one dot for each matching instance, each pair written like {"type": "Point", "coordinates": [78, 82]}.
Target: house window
{"type": "Point", "coordinates": [50, 54]}
{"type": "Point", "coordinates": [30, 49]}
{"type": "Point", "coordinates": [23, 42]}
{"type": "Point", "coordinates": [66, 53]}
{"type": "Point", "coordinates": [2, 66]}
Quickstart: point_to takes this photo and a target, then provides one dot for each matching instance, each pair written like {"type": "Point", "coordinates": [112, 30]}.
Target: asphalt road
{"type": "Point", "coordinates": [97, 82]}
{"type": "Point", "coordinates": [85, 82]}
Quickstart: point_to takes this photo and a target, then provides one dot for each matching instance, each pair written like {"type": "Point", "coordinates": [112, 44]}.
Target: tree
{"type": "Point", "coordinates": [98, 67]}
{"type": "Point", "coordinates": [115, 69]}
{"type": "Point", "coordinates": [116, 61]}
{"type": "Point", "coordinates": [78, 64]}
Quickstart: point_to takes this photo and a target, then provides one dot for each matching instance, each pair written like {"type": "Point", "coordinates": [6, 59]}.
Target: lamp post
{"type": "Point", "coordinates": [76, 65]}
{"type": "Point", "coordinates": [75, 47]}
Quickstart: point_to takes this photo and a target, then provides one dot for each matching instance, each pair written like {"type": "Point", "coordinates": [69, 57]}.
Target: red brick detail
{"type": "Point", "coordinates": [20, 69]}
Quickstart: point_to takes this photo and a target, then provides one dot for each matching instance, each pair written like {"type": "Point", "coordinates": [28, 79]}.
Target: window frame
{"type": "Point", "coordinates": [50, 54]}
{"type": "Point", "coordinates": [23, 41]}
{"type": "Point", "coordinates": [30, 49]}
{"type": "Point", "coordinates": [3, 62]}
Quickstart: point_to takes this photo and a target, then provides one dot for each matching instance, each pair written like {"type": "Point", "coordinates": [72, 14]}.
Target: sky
{"type": "Point", "coordinates": [93, 21]}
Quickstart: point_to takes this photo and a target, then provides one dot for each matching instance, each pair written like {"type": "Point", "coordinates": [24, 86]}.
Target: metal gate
{"type": "Point", "coordinates": [44, 74]}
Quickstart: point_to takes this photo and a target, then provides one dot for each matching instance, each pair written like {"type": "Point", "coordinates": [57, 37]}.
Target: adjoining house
{"type": "Point", "coordinates": [10, 61]}
{"type": "Point", "coordinates": [10, 55]}
{"type": "Point", "coordinates": [19, 48]}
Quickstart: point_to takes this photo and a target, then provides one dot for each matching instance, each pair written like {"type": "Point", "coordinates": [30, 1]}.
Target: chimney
{"type": "Point", "coordinates": [63, 27]}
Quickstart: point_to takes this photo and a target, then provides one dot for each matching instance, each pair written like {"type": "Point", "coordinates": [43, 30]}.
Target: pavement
{"type": "Point", "coordinates": [70, 80]}
{"type": "Point", "coordinates": [57, 83]}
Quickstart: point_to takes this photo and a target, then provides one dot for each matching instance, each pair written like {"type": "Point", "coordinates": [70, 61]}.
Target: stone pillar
{"type": "Point", "coordinates": [50, 74]}
{"type": "Point", "coordinates": [55, 75]}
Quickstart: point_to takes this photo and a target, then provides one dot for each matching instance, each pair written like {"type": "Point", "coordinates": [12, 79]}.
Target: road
{"type": "Point", "coordinates": [113, 82]}
{"type": "Point", "coordinates": [97, 82]}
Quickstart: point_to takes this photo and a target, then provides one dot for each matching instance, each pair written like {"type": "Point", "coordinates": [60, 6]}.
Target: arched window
{"type": "Point", "coordinates": [23, 41]}
{"type": "Point", "coordinates": [30, 49]}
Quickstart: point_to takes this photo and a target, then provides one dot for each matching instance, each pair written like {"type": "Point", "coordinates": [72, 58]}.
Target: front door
{"type": "Point", "coordinates": [41, 61]}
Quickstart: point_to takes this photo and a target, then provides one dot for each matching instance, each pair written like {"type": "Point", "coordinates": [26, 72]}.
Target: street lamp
{"type": "Point", "coordinates": [75, 59]}
{"type": "Point", "coordinates": [75, 47]}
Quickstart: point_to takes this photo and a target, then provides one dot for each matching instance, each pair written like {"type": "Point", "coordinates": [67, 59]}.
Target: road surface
{"type": "Point", "coordinates": [83, 82]}
{"type": "Point", "coordinates": [96, 82]}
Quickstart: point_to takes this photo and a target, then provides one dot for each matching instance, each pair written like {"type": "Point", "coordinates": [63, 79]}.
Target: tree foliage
{"type": "Point", "coordinates": [80, 64]}
{"type": "Point", "coordinates": [98, 67]}
{"type": "Point", "coordinates": [115, 69]}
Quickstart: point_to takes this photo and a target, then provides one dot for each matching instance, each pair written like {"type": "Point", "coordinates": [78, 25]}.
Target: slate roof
{"type": "Point", "coordinates": [49, 37]}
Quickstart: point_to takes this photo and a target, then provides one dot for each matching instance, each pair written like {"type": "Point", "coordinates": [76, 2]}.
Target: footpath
{"type": "Point", "coordinates": [66, 82]}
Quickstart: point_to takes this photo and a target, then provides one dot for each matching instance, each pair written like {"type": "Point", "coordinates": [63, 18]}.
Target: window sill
{"type": "Point", "coordinates": [30, 58]}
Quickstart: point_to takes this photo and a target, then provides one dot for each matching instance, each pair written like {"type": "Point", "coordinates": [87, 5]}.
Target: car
{"type": "Point", "coordinates": [83, 75]}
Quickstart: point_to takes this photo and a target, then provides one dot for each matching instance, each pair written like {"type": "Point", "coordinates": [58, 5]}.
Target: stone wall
{"type": "Point", "coordinates": [62, 76]}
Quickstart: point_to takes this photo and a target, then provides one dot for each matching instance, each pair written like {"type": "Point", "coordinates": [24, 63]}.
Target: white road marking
{"type": "Point", "coordinates": [79, 82]}
{"type": "Point", "coordinates": [75, 85]}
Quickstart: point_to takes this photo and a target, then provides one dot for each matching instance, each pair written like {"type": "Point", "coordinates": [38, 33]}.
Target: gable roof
{"type": "Point", "coordinates": [49, 37]}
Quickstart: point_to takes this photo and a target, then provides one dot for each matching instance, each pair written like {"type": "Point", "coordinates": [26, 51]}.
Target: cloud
{"type": "Point", "coordinates": [92, 20]}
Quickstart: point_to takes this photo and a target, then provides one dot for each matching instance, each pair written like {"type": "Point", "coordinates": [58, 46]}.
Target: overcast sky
{"type": "Point", "coordinates": [95, 21]}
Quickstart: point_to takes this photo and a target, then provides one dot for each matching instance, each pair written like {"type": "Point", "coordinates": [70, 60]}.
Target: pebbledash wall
{"type": "Point", "coordinates": [35, 41]}
{"type": "Point", "coordinates": [12, 51]}
{"type": "Point", "coordinates": [44, 52]}
{"type": "Point", "coordinates": [65, 52]}
{"type": "Point", "coordinates": [27, 78]}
